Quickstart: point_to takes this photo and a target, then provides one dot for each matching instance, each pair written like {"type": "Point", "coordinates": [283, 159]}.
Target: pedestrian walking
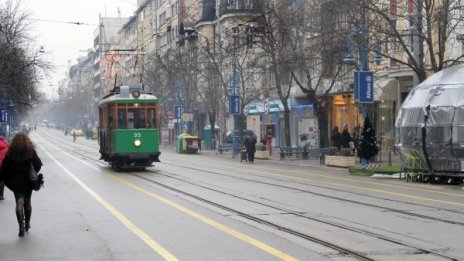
{"type": "Point", "coordinates": [74, 136]}
{"type": "Point", "coordinates": [3, 150]}
{"type": "Point", "coordinates": [21, 156]}
{"type": "Point", "coordinates": [251, 148]}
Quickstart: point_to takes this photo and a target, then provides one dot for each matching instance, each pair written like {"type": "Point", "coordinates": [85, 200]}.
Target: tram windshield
{"type": "Point", "coordinates": [137, 117]}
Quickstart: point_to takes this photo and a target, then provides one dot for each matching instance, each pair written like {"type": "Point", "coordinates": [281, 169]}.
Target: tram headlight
{"type": "Point", "coordinates": [135, 94]}
{"type": "Point", "coordinates": [137, 143]}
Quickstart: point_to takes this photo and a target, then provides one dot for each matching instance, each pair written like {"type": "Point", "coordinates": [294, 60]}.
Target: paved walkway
{"type": "Point", "coordinates": [275, 158]}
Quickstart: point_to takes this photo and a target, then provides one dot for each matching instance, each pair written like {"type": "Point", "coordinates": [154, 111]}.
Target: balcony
{"type": "Point", "coordinates": [238, 6]}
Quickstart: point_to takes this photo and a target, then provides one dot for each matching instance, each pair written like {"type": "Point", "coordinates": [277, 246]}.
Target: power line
{"type": "Point", "coordinates": [60, 22]}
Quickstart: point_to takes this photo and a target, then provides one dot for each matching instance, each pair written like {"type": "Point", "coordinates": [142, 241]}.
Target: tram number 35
{"type": "Point", "coordinates": [137, 135]}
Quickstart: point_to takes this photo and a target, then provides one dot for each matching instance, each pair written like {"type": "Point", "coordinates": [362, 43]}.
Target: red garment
{"type": "Point", "coordinates": [3, 149]}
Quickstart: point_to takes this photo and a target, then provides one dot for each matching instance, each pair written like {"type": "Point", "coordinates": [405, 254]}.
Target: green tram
{"type": "Point", "coordinates": [128, 128]}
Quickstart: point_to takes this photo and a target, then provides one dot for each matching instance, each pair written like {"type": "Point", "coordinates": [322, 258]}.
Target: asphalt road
{"type": "Point", "coordinates": [213, 207]}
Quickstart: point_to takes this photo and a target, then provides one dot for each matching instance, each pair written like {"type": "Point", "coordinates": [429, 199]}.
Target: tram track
{"type": "Point", "coordinates": [418, 250]}
{"type": "Point", "coordinates": [408, 213]}
{"type": "Point", "coordinates": [343, 251]}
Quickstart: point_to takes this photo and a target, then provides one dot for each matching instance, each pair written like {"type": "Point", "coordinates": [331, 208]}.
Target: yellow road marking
{"type": "Point", "coordinates": [131, 226]}
{"type": "Point", "coordinates": [248, 239]}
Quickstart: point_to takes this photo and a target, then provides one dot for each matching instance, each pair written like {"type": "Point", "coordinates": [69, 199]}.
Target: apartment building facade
{"type": "Point", "coordinates": [177, 36]}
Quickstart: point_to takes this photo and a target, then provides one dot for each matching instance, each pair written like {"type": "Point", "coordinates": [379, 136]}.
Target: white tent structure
{"type": "Point", "coordinates": [430, 124]}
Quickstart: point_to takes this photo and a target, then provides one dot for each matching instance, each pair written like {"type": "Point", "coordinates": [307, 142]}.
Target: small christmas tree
{"type": "Point", "coordinates": [367, 143]}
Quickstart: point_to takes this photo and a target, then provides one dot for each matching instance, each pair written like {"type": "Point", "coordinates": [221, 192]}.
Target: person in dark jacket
{"type": "Point", "coordinates": [3, 150]}
{"type": "Point", "coordinates": [15, 173]}
{"type": "Point", "coordinates": [345, 137]}
{"type": "Point", "coordinates": [336, 138]}
{"type": "Point", "coordinates": [251, 148]}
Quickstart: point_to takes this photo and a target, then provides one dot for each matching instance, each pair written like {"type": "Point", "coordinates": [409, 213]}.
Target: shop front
{"type": "Point", "coordinates": [345, 113]}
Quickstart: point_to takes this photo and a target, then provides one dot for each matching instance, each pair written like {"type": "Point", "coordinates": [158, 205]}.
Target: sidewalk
{"type": "Point", "coordinates": [275, 158]}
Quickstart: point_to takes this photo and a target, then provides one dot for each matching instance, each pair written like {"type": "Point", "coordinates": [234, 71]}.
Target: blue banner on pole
{"type": "Point", "coordinates": [178, 112]}
{"type": "Point", "coordinates": [234, 104]}
{"type": "Point", "coordinates": [366, 87]}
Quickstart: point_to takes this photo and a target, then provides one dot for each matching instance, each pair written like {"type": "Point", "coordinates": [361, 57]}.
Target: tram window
{"type": "Point", "coordinates": [151, 118]}
{"type": "Point", "coordinates": [121, 118]}
{"type": "Point", "coordinates": [136, 118]}
{"type": "Point", "coordinates": [110, 122]}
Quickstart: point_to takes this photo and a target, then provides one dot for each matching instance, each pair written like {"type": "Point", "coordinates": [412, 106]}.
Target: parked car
{"type": "Point", "coordinates": [78, 132]}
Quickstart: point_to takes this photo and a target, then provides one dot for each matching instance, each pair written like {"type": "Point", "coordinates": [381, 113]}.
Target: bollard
{"type": "Point", "coordinates": [389, 158]}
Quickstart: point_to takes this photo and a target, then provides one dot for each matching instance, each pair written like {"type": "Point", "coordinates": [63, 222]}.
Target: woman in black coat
{"type": "Point", "coordinates": [336, 138]}
{"type": "Point", "coordinates": [345, 138]}
{"type": "Point", "coordinates": [15, 172]}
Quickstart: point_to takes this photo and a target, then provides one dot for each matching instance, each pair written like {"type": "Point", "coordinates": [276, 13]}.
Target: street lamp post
{"type": "Point", "coordinates": [363, 78]}
{"type": "Point", "coordinates": [234, 99]}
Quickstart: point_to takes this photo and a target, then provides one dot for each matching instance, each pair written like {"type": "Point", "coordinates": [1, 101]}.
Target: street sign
{"type": "Point", "coordinates": [366, 87]}
{"type": "Point", "coordinates": [234, 104]}
{"type": "Point", "coordinates": [186, 117]}
{"type": "Point", "coordinates": [185, 125]}
{"type": "Point", "coordinates": [178, 112]}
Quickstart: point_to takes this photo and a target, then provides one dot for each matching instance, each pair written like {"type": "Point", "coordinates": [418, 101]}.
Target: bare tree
{"type": "Point", "coordinates": [317, 41]}
{"type": "Point", "coordinates": [21, 62]}
{"type": "Point", "coordinates": [272, 40]}
{"type": "Point", "coordinates": [416, 34]}
{"type": "Point", "coordinates": [248, 65]}
{"type": "Point", "coordinates": [208, 84]}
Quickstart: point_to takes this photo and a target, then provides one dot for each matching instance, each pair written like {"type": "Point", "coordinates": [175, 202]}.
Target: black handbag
{"type": "Point", "coordinates": [35, 178]}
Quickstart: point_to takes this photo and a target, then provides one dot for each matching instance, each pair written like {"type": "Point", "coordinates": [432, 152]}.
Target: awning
{"type": "Point", "coordinates": [256, 107]}
{"type": "Point", "coordinates": [275, 105]}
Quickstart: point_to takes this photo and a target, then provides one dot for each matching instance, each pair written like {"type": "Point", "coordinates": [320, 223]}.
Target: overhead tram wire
{"type": "Point", "coordinates": [69, 22]}
{"type": "Point", "coordinates": [60, 22]}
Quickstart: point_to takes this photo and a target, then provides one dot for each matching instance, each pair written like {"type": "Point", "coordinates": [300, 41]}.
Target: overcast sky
{"type": "Point", "coordinates": [64, 41]}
